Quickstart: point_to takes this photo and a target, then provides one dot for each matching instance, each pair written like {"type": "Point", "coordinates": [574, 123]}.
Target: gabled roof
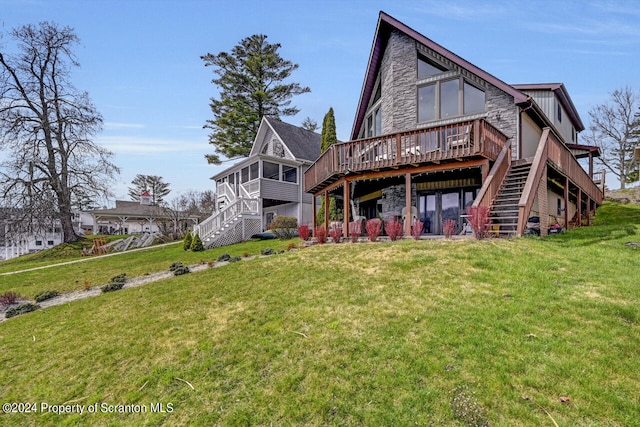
{"type": "Point", "coordinates": [133, 209]}
{"type": "Point", "coordinates": [560, 91]}
{"type": "Point", "coordinates": [386, 24]}
{"type": "Point", "coordinates": [303, 144]}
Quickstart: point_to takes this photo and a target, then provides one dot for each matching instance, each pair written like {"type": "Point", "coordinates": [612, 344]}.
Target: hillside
{"type": "Point", "coordinates": [509, 332]}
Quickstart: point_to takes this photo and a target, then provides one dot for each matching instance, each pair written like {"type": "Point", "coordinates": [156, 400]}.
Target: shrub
{"type": "Point", "coordinates": [116, 283]}
{"type": "Point", "coordinates": [245, 254]}
{"type": "Point", "coordinates": [267, 251]}
{"type": "Point", "coordinates": [235, 259]}
{"type": "Point", "coordinates": [416, 229]}
{"type": "Point", "coordinates": [321, 235]}
{"type": "Point", "coordinates": [196, 244]}
{"type": "Point", "coordinates": [186, 243]}
{"type": "Point", "coordinates": [284, 227]}
{"type": "Point", "coordinates": [479, 221]}
{"type": "Point", "coordinates": [304, 232]}
{"type": "Point", "coordinates": [355, 230]}
{"type": "Point", "coordinates": [374, 227]}
{"type": "Point", "coordinates": [224, 257]}
{"type": "Point", "coordinates": [449, 228]}
{"type": "Point", "coordinates": [45, 295]}
{"type": "Point", "coordinates": [180, 270]}
{"type": "Point", "coordinates": [175, 265]}
{"type": "Point", "coordinates": [21, 309]}
{"type": "Point", "coordinates": [394, 229]}
{"type": "Point", "coordinates": [8, 298]}
{"type": "Point", "coordinates": [336, 234]}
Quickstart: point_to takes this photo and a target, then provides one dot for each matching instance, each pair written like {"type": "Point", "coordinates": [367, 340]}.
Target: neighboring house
{"type": "Point", "coordinates": [18, 238]}
{"type": "Point", "coordinates": [268, 183]}
{"type": "Point", "coordinates": [434, 134]}
{"type": "Point", "coordinates": [137, 217]}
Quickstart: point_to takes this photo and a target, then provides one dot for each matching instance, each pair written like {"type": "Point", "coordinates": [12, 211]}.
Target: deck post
{"type": "Point", "coordinates": [326, 211]}
{"type": "Point", "coordinates": [345, 209]}
{"type": "Point", "coordinates": [313, 214]}
{"type": "Point", "coordinates": [566, 203]}
{"type": "Point", "coordinates": [588, 210]}
{"type": "Point", "coordinates": [579, 206]}
{"type": "Point", "coordinates": [408, 216]}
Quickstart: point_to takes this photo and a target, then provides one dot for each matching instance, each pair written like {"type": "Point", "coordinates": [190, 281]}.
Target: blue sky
{"type": "Point", "coordinates": [140, 59]}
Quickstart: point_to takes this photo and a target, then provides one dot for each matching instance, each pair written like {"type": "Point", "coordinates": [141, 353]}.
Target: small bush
{"type": "Point", "coordinates": [8, 298]}
{"type": "Point", "coordinates": [449, 228]}
{"type": "Point", "coordinates": [336, 234]}
{"type": "Point", "coordinates": [355, 230]}
{"type": "Point", "coordinates": [321, 235]}
{"type": "Point", "coordinates": [186, 243]}
{"type": "Point", "coordinates": [224, 258]}
{"type": "Point", "coordinates": [21, 309]}
{"type": "Point", "coordinates": [115, 284]}
{"type": "Point", "coordinates": [45, 295]}
{"type": "Point", "coordinates": [284, 227]}
{"type": "Point", "coordinates": [196, 244]}
{"type": "Point", "coordinates": [245, 254]}
{"type": "Point", "coordinates": [416, 229]}
{"type": "Point", "coordinates": [175, 266]}
{"type": "Point", "coordinates": [394, 229]}
{"type": "Point", "coordinates": [374, 227]}
{"type": "Point", "coordinates": [180, 270]}
{"type": "Point", "coordinates": [235, 259]}
{"type": "Point", "coordinates": [479, 221]}
{"type": "Point", "coordinates": [304, 232]}
{"type": "Point", "coordinates": [267, 251]}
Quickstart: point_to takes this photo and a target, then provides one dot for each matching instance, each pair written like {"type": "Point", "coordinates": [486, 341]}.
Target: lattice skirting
{"type": "Point", "coordinates": [242, 230]}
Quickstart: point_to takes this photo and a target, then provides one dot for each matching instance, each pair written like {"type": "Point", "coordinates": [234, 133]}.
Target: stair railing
{"type": "Point", "coordinates": [493, 182]}
{"type": "Point", "coordinates": [226, 215]}
{"type": "Point", "coordinates": [535, 175]}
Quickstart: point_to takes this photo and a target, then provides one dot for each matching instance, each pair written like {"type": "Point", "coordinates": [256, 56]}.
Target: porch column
{"type": "Point", "coordinates": [588, 210]}
{"type": "Point", "coordinates": [345, 210]}
{"type": "Point", "coordinates": [590, 165]}
{"type": "Point", "coordinates": [408, 216]}
{"type": "Point", "coordinates": [484, 170]}
{"type": "Point", "coordinates": [566, 203]}
{"type": "Point", "coordinates": [313, 214]}
{"type": "Point", "coordinates": [326, 211]}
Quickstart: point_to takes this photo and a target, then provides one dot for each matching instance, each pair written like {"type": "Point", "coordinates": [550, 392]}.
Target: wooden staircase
{"type": "Point", "coordinates": [503, 213]}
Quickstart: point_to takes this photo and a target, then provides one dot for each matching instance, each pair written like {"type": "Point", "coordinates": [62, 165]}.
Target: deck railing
{"type": "Point", "coordinates": [492, 184]}
{"type": "Point", "coordinates": [226, 215]}
{"type": "Point", "coordinates": [459, 140]}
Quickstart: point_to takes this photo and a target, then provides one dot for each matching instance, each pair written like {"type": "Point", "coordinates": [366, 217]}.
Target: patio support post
{"type": "Point", "coordinates": [579, 206]}
{"type": "Point", "coordinates": [345, 209]}
{"type": "Point", "coordinates": [566, 203]}
{"type": "Point", "coordinates": [408, 216]}
{"type": "Point", "coordinates": [590, 165]}
{"type": "Point", "coordinates": [326, 211]}
{"type": "Point", "coordinates": [588, 210]}
{"type": "Point", "coordinates": [313, 214]}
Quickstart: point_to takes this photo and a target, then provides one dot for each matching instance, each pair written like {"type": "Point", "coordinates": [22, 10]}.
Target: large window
{"type": "Point", "coordinates": [289, 174]}
{"type": "Point", "coordinates": [270, 170]}
{"type": "Point", "coordinates": [374, 123]}
{"type": "Point", "coordinates": [428, 68]}
{"type": "Point", "coordinates": [253, 171]}
{"type": "Point", "coordinates": [449, 98]}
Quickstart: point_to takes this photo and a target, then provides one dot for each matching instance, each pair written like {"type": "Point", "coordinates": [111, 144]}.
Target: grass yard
{"type": "Point", "coordinates": [409, 333]}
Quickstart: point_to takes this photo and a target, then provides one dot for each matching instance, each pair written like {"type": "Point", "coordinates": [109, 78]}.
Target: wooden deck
{"type": "Point", "coordinates": [435, 145]}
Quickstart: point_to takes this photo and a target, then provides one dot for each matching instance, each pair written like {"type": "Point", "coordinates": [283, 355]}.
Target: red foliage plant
{"type": "Point", "coordinates": [416, 229]}
{"type": "Point", "coordinates": [336, 234]}
{"type": "Point", "coordinates": [449, 227]}
{"type": "Point", "coordinates": [479, 221]}
{"type": "Point", "coordinates": [394, 229]}
{"type": "Point", "coordinates": [321, 235]}
{"type": "Point", "coordinates": [303, 232]}
{"type": "Point", "coordinates": [355, 230]}
{"type": "Point", "coordinates": [8, 298]}
{"type": "Point", "coordinates": [374, 227]}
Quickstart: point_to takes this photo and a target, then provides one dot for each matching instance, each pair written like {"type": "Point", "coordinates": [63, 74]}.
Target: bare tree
{"type": "Point", "coordinates": [612, 130]}
{"type": "Point", "coordinates": [46, 126]}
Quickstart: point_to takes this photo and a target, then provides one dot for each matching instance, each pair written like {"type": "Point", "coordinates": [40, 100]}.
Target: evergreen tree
{"type": "Point", "coordinates": [196, 244]}
{"type": "Point", "coordinates": [328, 136]}
{"type": "Point", "coordinates": [152, 184]}
{"type": "Point", "coordinates": [250, 81]}
{"type": "Point", "coordinates": [188, 239]}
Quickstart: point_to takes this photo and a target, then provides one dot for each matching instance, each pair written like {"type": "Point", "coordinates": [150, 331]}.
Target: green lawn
{"type": "Point", "coordinates": [407, 333]}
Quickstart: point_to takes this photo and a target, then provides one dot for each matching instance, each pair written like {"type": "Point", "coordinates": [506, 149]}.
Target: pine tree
{"type": "Point", "coordinates": [328, 136]}
{"type": "Point", "coordinates": [250, 81]}
{"type": "Point", "coordinates": [196, 244]}
{"type": "Point", "coordinates": [186, 243]}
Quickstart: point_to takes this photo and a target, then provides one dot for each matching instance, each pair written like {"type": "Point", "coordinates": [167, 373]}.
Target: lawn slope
{"type": "Point", "coordinates": [405, 333]}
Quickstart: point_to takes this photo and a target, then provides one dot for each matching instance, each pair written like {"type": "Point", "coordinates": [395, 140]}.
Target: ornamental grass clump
{"type": "Point", "coordinates": [449, 228]}
{"type": "Point", "coordinates": [416, 229]}
{"type": "Point", "coordinates": [479, 221]}
{"type": "Point", "coordinates": [8, 298]}
{"type": "Point", "coordinates": [374, 227]}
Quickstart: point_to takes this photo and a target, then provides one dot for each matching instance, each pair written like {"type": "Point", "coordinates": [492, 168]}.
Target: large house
{"type": "Point", "coordinates": [434, 134]}
{"type": "Point", "coordinates": [268, 183]}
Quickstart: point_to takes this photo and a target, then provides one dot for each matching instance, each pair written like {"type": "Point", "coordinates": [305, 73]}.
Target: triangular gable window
{"type": "Point", "coordinates": [427, 68]}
